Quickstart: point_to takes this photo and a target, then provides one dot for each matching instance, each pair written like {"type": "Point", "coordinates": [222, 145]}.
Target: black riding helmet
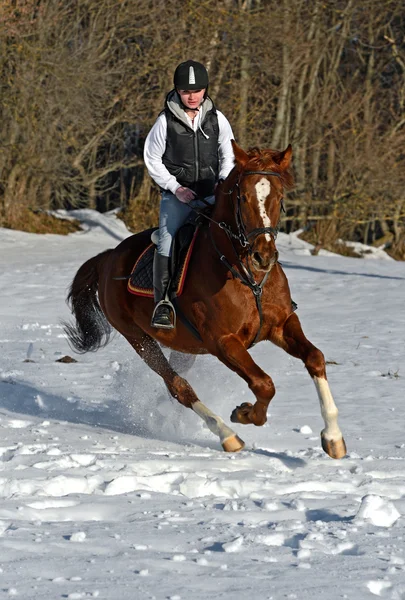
{"type": "Point", "coordinates": [190, 75]}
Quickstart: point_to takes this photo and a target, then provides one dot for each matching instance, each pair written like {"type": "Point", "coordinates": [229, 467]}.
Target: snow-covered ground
{"type": "Point", "coordinates": [111, 490]}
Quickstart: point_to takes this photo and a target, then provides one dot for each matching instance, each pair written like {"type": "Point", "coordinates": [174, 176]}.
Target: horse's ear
{"type": "Point", "coordinates": [284, 158]}
{"type": "Point", "coordinates": [241, 157]}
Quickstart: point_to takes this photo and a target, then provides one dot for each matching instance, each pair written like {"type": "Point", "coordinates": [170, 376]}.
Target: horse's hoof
{"type": "Point", "coordinates": [233, 444]}
{"type": "Point", "coordinates": [334, 448]}
{"type": "Point", "coordinates": [240, 414]}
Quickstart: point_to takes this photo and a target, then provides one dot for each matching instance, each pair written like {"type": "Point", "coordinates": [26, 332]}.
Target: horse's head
{"type": "Point", "coordinates": [260, 177]}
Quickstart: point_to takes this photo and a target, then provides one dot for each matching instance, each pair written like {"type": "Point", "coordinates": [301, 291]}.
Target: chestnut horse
{"type": "Point", "coordinates": [236, 294]}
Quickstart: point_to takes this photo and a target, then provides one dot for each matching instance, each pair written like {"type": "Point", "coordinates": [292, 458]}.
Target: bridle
{"type": "Point", "coordinates": [243, 236]}
{"type": "Point", "coordinates": [245, 239]}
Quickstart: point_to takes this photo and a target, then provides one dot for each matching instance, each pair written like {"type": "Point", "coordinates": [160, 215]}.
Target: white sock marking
{"type": "Point", "coordinates": [263, 189]}
{"type": "Point", "coordinates": [214, 423]}
{"type": "Point", "coordinates": [329, 410]}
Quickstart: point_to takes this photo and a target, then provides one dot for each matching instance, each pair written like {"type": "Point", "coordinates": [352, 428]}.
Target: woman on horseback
{"type": "Point", "coordinates": [187, 151]}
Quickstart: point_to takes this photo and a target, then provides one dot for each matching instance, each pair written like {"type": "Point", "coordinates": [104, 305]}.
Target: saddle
{"type": "Point", "coordinates": [140, 282]}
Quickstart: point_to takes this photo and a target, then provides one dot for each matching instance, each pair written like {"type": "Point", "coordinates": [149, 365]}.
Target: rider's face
{"type": "Point", "coordinates": [191, 98]}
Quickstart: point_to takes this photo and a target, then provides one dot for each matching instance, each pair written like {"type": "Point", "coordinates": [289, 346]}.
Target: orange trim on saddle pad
{"type": "Point", "coordinates": [184, 268]}
{"type": "Point", "coordinates": [139, 291]}
{"type": "Point", "coordinates": [180, 275]}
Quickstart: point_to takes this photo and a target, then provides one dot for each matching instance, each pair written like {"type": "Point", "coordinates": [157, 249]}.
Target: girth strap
{"type": "Point", "coordinates": [185, 320]}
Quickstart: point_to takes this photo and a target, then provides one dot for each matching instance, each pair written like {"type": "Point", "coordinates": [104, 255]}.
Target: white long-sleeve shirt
{"type": "Point", "coordinates": [155, 146]}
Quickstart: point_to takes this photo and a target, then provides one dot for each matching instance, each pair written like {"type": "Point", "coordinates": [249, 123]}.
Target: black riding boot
{"type": "Point", "coordinates": [163, 316]}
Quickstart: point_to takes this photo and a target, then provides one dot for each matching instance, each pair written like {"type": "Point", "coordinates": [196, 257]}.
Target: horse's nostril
{"type": "Point", "coordinates": [257, 258]}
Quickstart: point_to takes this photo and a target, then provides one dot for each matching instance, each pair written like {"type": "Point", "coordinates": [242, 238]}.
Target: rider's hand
{"type": "Point", "coordinates": [185, 194]}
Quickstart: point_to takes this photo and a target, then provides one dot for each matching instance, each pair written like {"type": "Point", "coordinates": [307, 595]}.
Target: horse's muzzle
{"type": "Point", "coordinates": [264, 262]}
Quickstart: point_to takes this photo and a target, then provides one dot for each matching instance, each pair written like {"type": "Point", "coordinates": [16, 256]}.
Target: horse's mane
{"type": "Point", "coordinates": [264, 159]}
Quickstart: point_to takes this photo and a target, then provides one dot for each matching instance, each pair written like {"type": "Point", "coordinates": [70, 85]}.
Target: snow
{"type": "Point", "coordinates": [379, 511]}
{"type": "Point", "coordinates": [111, 490]}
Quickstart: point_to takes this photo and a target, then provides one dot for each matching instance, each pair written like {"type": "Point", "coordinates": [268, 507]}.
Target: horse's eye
{"type": "Point", "coordinates": [243, 198]}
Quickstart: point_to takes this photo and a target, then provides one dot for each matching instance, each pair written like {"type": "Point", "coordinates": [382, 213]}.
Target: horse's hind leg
{"type": "Point", "coordinates": [181, 362]}
{"type": "Point", "coordinates": [292, 339]}
{"type": "Point", "coordinates": [149, 350]}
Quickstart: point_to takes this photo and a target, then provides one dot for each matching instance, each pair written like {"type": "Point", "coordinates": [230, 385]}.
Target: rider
{"type": "Point", "coordinates": [187, 151]}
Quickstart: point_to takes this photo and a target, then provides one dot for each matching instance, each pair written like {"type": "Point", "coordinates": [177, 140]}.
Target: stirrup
{"type": "Point", "coordinates": [164, 315]}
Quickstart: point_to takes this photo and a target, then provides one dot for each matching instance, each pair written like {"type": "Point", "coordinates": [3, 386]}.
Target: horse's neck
{"type": "Point", "coordinates": [221, 211]}
{"type": "Point", "coordinates": [224, 211]}
{"type": "Point", "coordinates": [224, 208]}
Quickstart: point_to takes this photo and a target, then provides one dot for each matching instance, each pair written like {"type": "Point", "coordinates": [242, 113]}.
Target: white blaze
{"type": "Point", "coordinates": [263, 188]}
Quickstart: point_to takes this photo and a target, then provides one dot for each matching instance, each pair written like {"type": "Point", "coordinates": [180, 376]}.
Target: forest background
{"type": "Point", "coordinates": [82, 81]}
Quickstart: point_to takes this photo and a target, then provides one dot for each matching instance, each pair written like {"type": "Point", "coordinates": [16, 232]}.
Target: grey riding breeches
{"type": "Point", "coordinates": [173, 214]}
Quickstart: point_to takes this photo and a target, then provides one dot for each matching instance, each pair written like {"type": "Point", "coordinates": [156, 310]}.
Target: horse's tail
{"type": "Point", "coordinates": [91, 330]}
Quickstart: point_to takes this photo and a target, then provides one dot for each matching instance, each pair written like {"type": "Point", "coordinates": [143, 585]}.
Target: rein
{"type": "Point", "coordinates": [247, 278]}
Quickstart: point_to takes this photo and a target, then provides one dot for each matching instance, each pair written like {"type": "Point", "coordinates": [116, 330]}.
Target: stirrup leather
{"type": "Point", "coordinates": [164, 315]}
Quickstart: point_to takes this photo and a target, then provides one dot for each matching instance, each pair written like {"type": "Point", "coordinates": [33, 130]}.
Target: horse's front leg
{"type": "Point", "coordinates": [292, 339]}
{"type": "Point", "coordinates": [234, 355]}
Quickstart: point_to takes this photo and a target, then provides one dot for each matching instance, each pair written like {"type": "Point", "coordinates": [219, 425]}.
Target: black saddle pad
{"type": "Point", "coordinates": [141, 280]}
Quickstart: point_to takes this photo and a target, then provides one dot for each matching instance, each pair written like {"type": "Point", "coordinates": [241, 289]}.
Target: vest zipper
{"type": "Point", "coordinates": [196, 157]}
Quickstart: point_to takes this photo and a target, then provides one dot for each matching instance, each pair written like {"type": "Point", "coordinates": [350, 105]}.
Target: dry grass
{"type": "Point", "coordinates": [340, 247]}
{"type": "Point", "coordinates": [326, 234]}
{"type": "Point", "coordinates": [396, 250]}
{"type": "Point", "coordinates": [40, 222]}
{"type": "Point", "coordinates": [138, 218]}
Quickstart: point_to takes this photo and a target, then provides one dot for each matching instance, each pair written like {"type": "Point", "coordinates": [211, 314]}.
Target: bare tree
{"type": "Point", "coordinates": [82, 83]}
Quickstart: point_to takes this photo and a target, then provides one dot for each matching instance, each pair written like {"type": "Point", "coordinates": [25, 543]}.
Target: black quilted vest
{"type": "Point", "coordinates": [191, 156]}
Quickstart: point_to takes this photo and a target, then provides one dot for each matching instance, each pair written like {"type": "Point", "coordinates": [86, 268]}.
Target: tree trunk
{"type": "Point", "coordinates": [285, 83]}
{"type": "Point", "coordinates": [244, 74]}
{"type": "Point", "coordinates": [331, 164]}
{"type": "Point", "coordinates": [301, 104]}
